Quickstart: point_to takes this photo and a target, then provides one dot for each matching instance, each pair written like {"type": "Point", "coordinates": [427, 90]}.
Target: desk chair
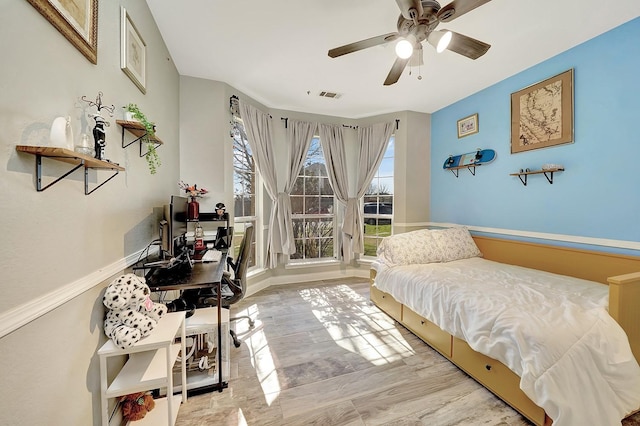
{"type": "Point", "coordinates": [234, 286]}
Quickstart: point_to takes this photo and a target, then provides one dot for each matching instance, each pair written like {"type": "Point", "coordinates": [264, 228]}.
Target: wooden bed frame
{"type": "Point", "coordinates": [621, 273]}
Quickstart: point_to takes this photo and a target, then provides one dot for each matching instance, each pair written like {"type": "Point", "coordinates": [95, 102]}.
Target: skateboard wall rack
{"type": "Point", "coordinates": [469, 161]}
{"type": "Point", "coordinates": [548, 173]}
{"type": "Point", "coordinates": [470, 167]}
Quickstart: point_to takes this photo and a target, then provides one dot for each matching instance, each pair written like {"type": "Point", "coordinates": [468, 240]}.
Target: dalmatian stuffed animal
{"type": "Point", "coordinates": [131, 313]}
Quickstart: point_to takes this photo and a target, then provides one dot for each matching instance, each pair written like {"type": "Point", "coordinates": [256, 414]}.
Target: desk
{"type": "Point", "coordinates": [185, 277]}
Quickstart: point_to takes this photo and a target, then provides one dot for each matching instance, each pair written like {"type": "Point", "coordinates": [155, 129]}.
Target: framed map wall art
{"type": "Point", "coordinates": [77, 20]}
{"type": "Point", "coordinates": [542, 114]}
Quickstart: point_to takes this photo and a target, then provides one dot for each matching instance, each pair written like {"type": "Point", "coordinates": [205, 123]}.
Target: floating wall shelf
{"type": "Point", "coordinates": [548, 173]}
{"type": "Point", "coordinates": [137, 129]}
{"type": "Point", "coordinates": [67, 156]}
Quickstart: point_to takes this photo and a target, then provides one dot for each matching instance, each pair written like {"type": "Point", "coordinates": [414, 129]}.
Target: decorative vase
{"type": "Point", "coordinates": [61, 134]}
{"type": "Point", "coordinates": [193, 209]}
{"type": "Point", "coordinates": [130, 116]}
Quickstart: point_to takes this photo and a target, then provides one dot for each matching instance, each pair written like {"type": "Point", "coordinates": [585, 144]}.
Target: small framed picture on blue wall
{"type": "Point", "coordinates": [468, 125]}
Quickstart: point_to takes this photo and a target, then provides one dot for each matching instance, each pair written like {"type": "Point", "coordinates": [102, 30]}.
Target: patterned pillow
{"type": "Point", "coordinates": [409, 248]}
{"type": "Point", "coordinates": [455, 243]}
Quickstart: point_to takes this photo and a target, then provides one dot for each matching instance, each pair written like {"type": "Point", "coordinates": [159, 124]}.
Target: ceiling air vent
{"type": "Point", "coordinates": [331, 95]}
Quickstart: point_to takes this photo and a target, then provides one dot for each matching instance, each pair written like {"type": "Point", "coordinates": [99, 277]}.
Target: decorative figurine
{"type": "Point", "coordinates": [99, 136]}
{"type": "Point", "coordinates": [220, 210]}
{"type": "Point", "coordinates": [99, 132]}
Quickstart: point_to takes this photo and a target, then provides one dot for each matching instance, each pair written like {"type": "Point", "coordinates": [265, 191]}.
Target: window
{"type": "Point", "coordinates": [312, 207]}
{"type": "Point", "coordinates": [378, 203]}
{"type": "Point", "coordinates": [245, 182]}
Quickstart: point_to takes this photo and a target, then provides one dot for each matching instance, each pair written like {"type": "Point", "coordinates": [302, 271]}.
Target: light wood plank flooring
{"type": "Point", "coordinates": [322, 354]}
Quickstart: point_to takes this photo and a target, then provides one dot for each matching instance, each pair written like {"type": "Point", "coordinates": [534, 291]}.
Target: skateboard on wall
{"type": "Point", "coordinates": [469, 160]}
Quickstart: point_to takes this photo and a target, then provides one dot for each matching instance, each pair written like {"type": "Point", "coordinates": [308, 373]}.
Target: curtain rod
{"type": "Point", "coordinates": [286, 123]}
{"type": "Point", "coordinates": [234, 106]}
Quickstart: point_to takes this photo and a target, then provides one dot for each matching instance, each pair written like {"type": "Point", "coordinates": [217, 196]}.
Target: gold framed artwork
{"type": "Point", "coordinates": [133, 52]}
{"type": "Point", "coordinates": [77, 20]}
{"type": "Point", "coordinates": [468, 126]}
{"type": "Point", "coordinates": [542, 114]}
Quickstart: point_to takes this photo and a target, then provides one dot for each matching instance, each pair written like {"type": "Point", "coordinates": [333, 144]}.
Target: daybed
{"type": "Point", "coordinates": [530, 322]}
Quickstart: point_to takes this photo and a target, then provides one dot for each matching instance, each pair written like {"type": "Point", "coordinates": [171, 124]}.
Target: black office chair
{"type": "Point", "coordinates": [238, 283]}
{"type": "Point", "coordinates": [233, 284]}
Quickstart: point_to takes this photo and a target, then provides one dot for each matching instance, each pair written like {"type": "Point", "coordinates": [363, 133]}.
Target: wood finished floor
{"type": "Point", "coordinates": [322, 354]}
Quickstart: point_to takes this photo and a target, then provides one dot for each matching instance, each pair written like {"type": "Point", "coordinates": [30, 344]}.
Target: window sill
{"type": "Point", "coordinates": [256, 272]}
{"type": "Point", "coordinates": [311, 264]}
{"type": "Point", "coordinates": [366, 261]}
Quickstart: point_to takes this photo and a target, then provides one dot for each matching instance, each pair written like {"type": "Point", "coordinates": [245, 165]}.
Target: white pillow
{"type": "Point", "coordinates": [455, 243]}
{"type": "Point", "coordinates": [409, 248]}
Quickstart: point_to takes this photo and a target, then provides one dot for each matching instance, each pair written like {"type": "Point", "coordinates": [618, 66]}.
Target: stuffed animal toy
{"type": "Point", "coordinates": [136, 405]}
{"type": "Point", "coordinates": [131, 315]}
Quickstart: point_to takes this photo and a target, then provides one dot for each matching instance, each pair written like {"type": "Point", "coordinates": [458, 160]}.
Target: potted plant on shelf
{"type": "Point", "coordinates": [133, 113]}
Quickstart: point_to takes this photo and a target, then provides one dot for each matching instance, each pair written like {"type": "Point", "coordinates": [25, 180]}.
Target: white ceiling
{"type": "Point", "coordinates": [276, 51]}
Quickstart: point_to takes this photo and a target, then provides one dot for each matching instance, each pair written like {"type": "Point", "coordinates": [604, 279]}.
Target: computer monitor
{"type": "Point", "coordinates": [174, 226]}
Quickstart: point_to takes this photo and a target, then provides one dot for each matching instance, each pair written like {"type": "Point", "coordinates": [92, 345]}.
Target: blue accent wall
{"type": "Point", "coordinates": [599, 193]}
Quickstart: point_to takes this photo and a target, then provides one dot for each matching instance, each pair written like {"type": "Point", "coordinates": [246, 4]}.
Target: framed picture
{"type": "Point", "coordinates": [542, 114]}
{"type": "Point", "coordinates": [77, 20]}
{"type": "Point", "coordinates": [133, 52]}
{"type": "Point", "coordinates": [468, 126]}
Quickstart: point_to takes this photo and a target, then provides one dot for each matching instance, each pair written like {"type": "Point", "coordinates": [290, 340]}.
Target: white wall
{"type": "Point", "coordinates": [60, 240]}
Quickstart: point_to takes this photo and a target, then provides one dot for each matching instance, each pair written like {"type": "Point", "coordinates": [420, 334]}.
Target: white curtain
{"type": "Point", "coordinates": [260, 135]}
{"type": "Point", "coordinates": [373, 143]}
{"type": "Point", "coordinates": [299, 135]}
{"type": "Point", "coordinates": [334, 155]}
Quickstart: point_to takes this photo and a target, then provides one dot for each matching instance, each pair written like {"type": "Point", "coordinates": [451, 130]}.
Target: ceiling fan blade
{"type": "Point", "coordinates": [457, 8]}
{"type": "Point", "coordinates": [396, 71]}
{"type": "Point", "coordinates": [363, 44]}
{"type": "Point", "coordinates": [467, 46]}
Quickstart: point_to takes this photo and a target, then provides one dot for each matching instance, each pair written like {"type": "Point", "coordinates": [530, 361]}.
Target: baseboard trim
{"type": "Point", "coordinates": [264, 280]}
{"type": "Point", "coordinates": [21, 315]}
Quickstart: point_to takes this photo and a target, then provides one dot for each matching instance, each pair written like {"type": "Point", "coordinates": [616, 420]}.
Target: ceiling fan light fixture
{"type": "Point", "coordinates": [404, 49]}
{"type": "Point", "coordinates": [440, 40]}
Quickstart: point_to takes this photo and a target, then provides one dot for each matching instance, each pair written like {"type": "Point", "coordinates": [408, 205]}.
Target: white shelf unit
{"type": "Point", "coordinates": [149, 366]}
{"type": "Point", "coordinates": [202, 326]}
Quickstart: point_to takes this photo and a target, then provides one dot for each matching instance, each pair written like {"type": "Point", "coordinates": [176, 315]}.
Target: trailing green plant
{"type": "Point", "coordinates": [153, 161]}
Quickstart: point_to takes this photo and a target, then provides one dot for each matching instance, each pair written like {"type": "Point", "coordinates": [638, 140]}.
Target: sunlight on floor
{"type": "Point", "coordinates": [361, 328]}
{"type": "Point", "coordinates": [241, 420]}
{"type": "Point", "coordinates": [260, 353]}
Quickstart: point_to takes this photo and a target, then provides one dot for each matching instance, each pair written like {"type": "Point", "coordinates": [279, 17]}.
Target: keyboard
{"type": "Point", "coordinates": [212, 256]}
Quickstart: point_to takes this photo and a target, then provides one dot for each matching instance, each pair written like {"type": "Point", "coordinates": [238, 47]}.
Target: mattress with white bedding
{"type": "Point", "coordinates": [554, 331]}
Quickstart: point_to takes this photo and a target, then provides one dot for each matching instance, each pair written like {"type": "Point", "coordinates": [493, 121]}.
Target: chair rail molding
{"type": "Point", "coordinates": [603, 242]}
{"type": "Point", "coordinates": [23, 314]}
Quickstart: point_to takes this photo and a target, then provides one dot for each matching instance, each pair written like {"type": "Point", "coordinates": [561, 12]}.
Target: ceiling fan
{"type": "Point", "coordinates": [417, 22]}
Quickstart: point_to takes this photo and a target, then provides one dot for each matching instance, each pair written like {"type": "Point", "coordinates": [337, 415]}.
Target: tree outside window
{"type": "Point", "coordinates": [378, 203]}
{"type": "Point", "coordinates": [244, 190]}
{"type": "Point", "coordinates": [312, 205]}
